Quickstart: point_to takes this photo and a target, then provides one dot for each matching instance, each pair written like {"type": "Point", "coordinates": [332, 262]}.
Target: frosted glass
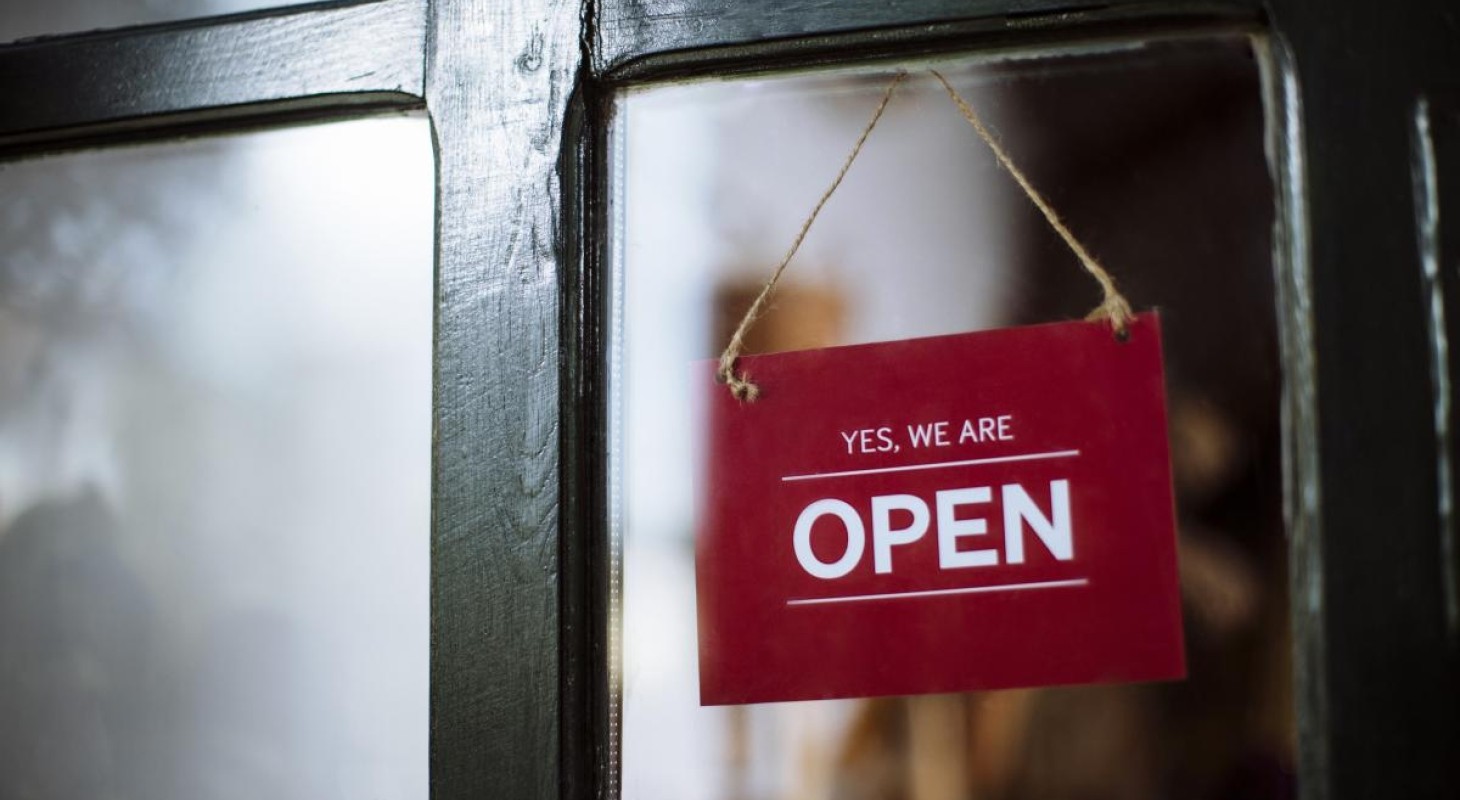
{"type": "Point", "coordinates": [215, 388]}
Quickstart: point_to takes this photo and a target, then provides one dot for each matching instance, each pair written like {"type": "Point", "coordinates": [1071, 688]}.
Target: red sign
{"type": "Point", "coordinates": [979, 511]}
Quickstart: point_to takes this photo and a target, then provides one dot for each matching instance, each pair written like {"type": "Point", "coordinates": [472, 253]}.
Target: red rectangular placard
{"type": "Point", "coordinates": [978, 511]}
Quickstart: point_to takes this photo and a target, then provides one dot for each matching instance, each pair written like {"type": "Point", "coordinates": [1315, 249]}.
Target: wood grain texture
{"type": "Point", "coordinates": [498, 78]}
{"type": "Point", "coordinates": [1302, 485]}
{"type": "Point", "coordinates": [1378, 669]}
{"type": "Point", "coordinates": [219, 69]}
{"type": "Point", "coordinates": [629, 30]}
{"type": "Point", "coordinates": [589, 567]}
{"type": "Point", "coordinates": [1437, 187]}
{"type": "Point", "coordinates": [1390, 696]}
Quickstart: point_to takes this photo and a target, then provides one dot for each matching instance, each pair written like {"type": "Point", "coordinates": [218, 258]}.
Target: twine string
{"type": "Point", "coordinates": [741, 386]}
{"type": "Point", "coordinates": [1113, 307]}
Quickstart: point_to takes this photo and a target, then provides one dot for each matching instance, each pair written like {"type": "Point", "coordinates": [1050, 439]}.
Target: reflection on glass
{"type": "Point", "coordinates": [22, 19]}
{"type": "Point", "coordinates": [215, 372]}
{"type": "Point", "coordinates": [1153, 153]}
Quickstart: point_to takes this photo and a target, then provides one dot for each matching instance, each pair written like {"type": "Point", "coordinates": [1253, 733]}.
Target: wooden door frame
{"type": "Point", "coordinates": [520, 97]}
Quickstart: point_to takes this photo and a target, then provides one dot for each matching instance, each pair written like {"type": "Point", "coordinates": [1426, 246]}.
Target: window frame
{"type": "Point", "coordinates": [520, 98]}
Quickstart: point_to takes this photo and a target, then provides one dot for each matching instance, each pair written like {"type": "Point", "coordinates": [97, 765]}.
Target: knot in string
{"type": "Point", "coordinates": [741, 388]}
{"type": "Point", "coordinates": [1114, 309]}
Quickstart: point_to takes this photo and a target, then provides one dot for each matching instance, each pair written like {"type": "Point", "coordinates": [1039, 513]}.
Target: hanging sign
{"type": "Point", "coordinates": [977, 511]}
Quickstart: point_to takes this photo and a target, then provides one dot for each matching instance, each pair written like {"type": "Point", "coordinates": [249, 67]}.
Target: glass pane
{"type": "Point", "coordinates": [215, 388]}
{"type": "Point", "coordinates": [1153, 154]}
{"type": "Point", "coordinates": [22, 19]}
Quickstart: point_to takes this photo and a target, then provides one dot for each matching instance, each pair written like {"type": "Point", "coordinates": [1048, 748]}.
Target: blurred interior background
{"type": "Point", "coordinates": [215, 388]}
{"type": "Point", "coordinates": [1154, 154]}
{"type": "Point", "coordinates": [215, 411]}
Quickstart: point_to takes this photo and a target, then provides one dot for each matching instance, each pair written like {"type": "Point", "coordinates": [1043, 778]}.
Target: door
{"type": "Point", "coordinates": [522, 640]}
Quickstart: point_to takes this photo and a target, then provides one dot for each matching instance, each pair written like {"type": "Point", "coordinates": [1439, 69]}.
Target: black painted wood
{"type": "Point", "coordinates": [149, 81]}
{"type": "Point", "coordinates": [518, 94]}
{"type": "Point", "coordinates": [498, 78]}
{"type": "Point", "coordinates": [628, 30]}
{"type": "Point", "coordinates": [1390, 727]}
{"type": "Point", "coordinates": [589, 700]}
{"type": "Point", "coordinates": [1437, 117]}
{"type": "Point", "coordinates": [897, 45]}
{"type": "Point", "coordinates": [1437, 184]}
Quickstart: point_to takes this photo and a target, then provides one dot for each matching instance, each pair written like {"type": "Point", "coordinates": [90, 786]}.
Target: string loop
{"type": "Point", "coordinates": [1113, 307]}
{"type": "Point", "coordinates": [741, 386]}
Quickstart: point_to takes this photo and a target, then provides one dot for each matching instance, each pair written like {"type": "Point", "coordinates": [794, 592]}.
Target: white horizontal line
{"type": "Point", "coordinates": [1002, 587]}
{"type": "Point", "coordinates": [938, 465]}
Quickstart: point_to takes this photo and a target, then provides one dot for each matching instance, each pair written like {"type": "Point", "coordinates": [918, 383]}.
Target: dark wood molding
{"type": "Point", "coordinates": [629, 31]}
{"type": "Point", "coordinates": [223, 73]}
{"type": "Point", "coordinates": [498, 81]}
{"type": "Point", "coordinates": [520, 96]}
